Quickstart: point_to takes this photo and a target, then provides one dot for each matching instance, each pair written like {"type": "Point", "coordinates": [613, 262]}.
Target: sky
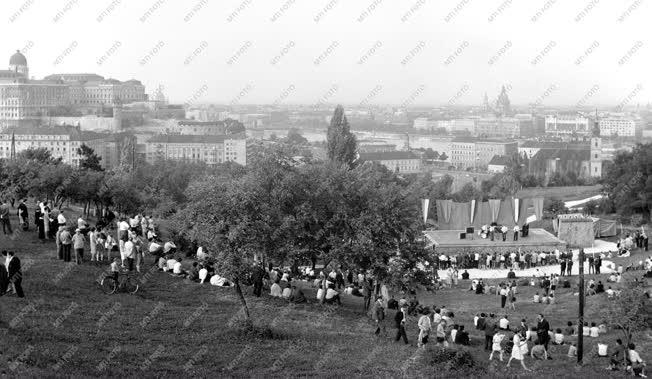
{"type": "Point", "coordinates": [356, 52]}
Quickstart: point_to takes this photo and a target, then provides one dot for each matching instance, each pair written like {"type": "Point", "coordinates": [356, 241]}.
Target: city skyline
{"type": "Point", "coordinates": [416, 53]}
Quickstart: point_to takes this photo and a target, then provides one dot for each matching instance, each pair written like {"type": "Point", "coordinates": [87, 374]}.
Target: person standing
{"type": "Point", "coordinates": [517, 353]}
{"type": "Point", "coordinates": [4, 218]}
{"type": "Point", "coordinates": [516, 230]}
{"type": "Point", "coordinates": [569, 266]}
{"type": "Point", "coordinates": [45, 211]}
{"type": "Point", "coordinates": [562, 265]}
{"type": "Point", "coordinates": [379, 316]}
{"type": "Point", "coordinates": [129, 253]}
{"type": "Point", "coordinates": [14, 272]}
{"type": "Point", "coordinates": [23, 215]}
{"type": "Point", "coordinates": [57, 241]}
{"type": "Point", "coordinates": [424, 327]}
{"type": "Point", "coordinates": [401, 318]}
{"type": "Point", "coordinates": [138, 250]}
{"type": "Point", "coordinates": [368, 289]}
{"type": "Point", "coordinates": [66, 243]}
{"type": "Point", "coordinates": [504, 292]}
{"type": "Point", "coordinates": [257, 278]}
{"type": "Point", "coordinates": [78, 241]}
{"type": "Point", "coordinates": [543, 329]}
{"type": "Point", "coordinates": [489, 331]}
{"type": "Point", "coordinates": [598, 263]}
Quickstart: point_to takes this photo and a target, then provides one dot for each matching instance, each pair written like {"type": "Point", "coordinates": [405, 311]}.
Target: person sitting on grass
{"type": "Point", "coordinates": [287, 291]}
{"type": "Point", "coordinates": [162, 264]}
{"type": "Point", "coordinates": [178, 270]}
{"type": "Point", "coordinates": [203, 274]}
{"type": "Point", "coordinates": [558, 338]}
{"type": "Point", "coordinates": [570, 329]}
{"type": "Point", "coordinates": [594, 331]}
{"type": "Point", "coordinates": [465, 275]}
{"type": "Point", "coordinates": [462, 336]}
{"type": "Point", "coordinates": [536, 298]}
{"type": "Point", "coordinates": [539, 352]}
{"type": "Point", "coordinates": [356, 291]}
{"type": "Point", "coordinates": [610, 293]}
{"type": "Point", "coordinates": [297, 295]}
{"type": "Point", "coordinates": [193, 274]}
{"type": "Point", "coordinates": [169, 264]}
{"type": "Point", "coordinates": [503, 323]}
{"type": "Point", "coordinates": [332, 296]}
{"type": "Point", "coordinates": [551, 299]}
{"type": "Point", "coordinates": [572, 350]}
{"type": "Point", "coordinates": [618, 356]}
{"type": "Point", "coordinates": [275, 290]}
{"type": "Point", "coordinates": [586, 331]}
{"type": "Point", "coordinates": [637, 364]}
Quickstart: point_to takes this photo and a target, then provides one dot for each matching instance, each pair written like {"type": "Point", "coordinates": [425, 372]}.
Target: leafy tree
{"type": "Point", "coordinates": [39, 154]}
{"type": "Point", "coordinates": [627, 311]}
{"type": "Point", "coordinates": [233, 127]}
{"type": "Point", "coordinates": [342, 143]}
{"type": "Point", "coordinates": [443, 156]}
{"type": "Point", "coordinates": [89, 160]}
{"type": "Point", "coordinates": [295, 138]}
{"type": "Point", "coordinates": [554, 207]}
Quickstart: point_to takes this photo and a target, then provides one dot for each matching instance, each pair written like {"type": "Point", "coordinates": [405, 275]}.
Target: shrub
{"type": "Point", "coordinates": [455, 360]}
{"type": "Point", "coordinates": [242, 328]}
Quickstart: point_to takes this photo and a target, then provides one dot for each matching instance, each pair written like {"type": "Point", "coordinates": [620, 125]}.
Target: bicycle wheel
{"type": "Point", "coordinates": [108, 285]}
{"type": "Point", "coordinates": [131, 285]}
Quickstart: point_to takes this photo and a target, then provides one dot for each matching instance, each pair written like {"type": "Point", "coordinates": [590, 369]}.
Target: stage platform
{"type": "Point", "coordinates": [449, 241]}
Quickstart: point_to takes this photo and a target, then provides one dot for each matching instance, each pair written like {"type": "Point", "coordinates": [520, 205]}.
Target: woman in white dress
{"type": "Point", "coordinates": [517, 353]}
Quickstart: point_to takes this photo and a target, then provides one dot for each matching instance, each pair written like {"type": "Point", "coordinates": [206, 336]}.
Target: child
{"type": "Point", "coordinates": [115, 269]}
{"type": "Point", "coordinates": [496, 346]}
{"type": "Point", "coordinates": [109, 245]}
{"type": "Point", "coordinates": [101, 240]}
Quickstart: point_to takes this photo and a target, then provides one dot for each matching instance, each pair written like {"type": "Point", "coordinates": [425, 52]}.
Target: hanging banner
{"type": "Point", "coordinates": [472, 212]}
{"type": "Point", "coordinates": [494, 206]}
{"type": "Point", "coordinates": [531, 219]}
{"type": "Point", "coordinates": [425, 204]}
{"type": "Point", "coordinates": [516, 203]}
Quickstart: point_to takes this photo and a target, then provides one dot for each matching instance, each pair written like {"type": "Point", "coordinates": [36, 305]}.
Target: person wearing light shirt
{"type": "Point", "coordinates": [200, 253]}
{"type": "Point", "coordinates": [78, 241]}
{"type": "Point", "coordinates": [594, 331]}
{"type": "Point", "coordinates": [123, 236]}
{"type": "Point", "coordinates": [320, 293]}
{"type": "Point", "coordinates": [424, 328]}
{"type": "Point", "coordinates": [129, 254]}
{"type": "Point", "coordinates": [203, 273]}
{"type": "Point", "coordinates": [177, 269]}
{"type": "Point", "coordinates": [558, 337]}
{"type": "Point", "coordinates": [586, 331]}
{"type": "Point", "coordinates": [170, 264]}
{"type": "Point", "coordinates": [503, 323]}
{"type": "Point", "coordinates": [61, 219]}
{"type": "Point", "coordinates": [333, 296]}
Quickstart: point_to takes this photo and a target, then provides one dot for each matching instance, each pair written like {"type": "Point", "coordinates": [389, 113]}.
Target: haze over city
{"type": "Point", "coordinates": [375, 52]}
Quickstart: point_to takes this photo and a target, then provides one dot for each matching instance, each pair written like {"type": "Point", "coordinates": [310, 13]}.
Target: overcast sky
{"type": "Point", "coordinates": [416, 52]}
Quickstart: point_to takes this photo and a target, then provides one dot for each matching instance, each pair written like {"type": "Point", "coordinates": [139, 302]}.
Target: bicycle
{"type": "Point", "coordinates": [126, 282]}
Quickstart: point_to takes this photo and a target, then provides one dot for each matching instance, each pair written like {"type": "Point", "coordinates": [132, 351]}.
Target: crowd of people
{"type": "Point", "coordinates": [516, 260]}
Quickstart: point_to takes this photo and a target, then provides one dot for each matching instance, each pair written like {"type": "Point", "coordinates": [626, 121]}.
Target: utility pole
{"type": "Point", "coordinates": [580, 320]}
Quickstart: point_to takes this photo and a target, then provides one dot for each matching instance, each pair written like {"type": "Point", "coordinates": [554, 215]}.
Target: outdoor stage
{"type": "Point", "coordinates": [448, 241]}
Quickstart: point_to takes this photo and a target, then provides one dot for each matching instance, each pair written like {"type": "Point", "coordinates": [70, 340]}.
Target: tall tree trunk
{"type": "Point", "coordinates": [323, 283]}
{"type": "Point", "coordinates": [243, 301]}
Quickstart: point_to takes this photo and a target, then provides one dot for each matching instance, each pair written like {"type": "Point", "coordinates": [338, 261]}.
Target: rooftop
{"type": "Point", "coordinates": [480, 140]}
{"type": "Point", "coordinates": [388, 155]}
{"type": "Point", "coordinates": [499, 160]}
{"type": "Point", "coordinates": [179, 138]}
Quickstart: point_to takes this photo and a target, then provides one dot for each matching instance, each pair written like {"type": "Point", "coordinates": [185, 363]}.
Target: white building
{"type": "Point", "coordinates": [620, 127]}
{"type": "Point", "coordinates": [567, 125]}
{"type": "Point", "coordinates": [423, 123]}
{"type": "Point", "coordinates": [197, 148]}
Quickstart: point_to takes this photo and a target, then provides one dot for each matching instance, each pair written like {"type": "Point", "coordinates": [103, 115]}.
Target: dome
{"type": "Point", "coordinates": [18, 59]}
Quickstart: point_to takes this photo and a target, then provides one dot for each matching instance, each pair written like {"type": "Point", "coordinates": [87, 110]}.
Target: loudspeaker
{"type": "Point", "coordinates": [470, 230]}
{"type": "Point", "coordinates": [462, 236]}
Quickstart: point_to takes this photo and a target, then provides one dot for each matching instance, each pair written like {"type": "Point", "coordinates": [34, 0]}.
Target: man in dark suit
{"type": "Point", "coordinates": [489, 331]}
{"type": "Point", "coordinates": [257, 278]}
{"type": "Point", "coordinates": [400, 319]}
{"type": "Point", "coordinates": [543, 327]}
{"type": "Point", "coordinates": [4, 277]}
{"type": "Point", "coordinates": [14, 272]}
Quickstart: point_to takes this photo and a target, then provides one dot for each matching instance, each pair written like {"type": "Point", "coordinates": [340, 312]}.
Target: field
{"type": "Point", "coordinates": [67, 327]}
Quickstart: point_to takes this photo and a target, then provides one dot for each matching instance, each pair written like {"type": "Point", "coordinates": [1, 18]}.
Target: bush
{"type": "Point", "coordinates": [246, 329]}
{"type": "Point", "coordinates": [456, 360]}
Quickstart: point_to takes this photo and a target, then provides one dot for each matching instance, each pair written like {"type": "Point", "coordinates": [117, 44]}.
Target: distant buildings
{"type": "Point", "coordinates": [62, 142]}
{"type": "Point", "coordinates": [477, 153]}
{"type": "Point", "coordinates": [614, 126]}
{"type": "Point", "coordinates": [26, 101]}
{"type": "Point", "coordinates": [209, 149]}
{"type": "Point", "coordinates": [581, 160]}
{"type": "Point", "coordinates": [497, 164]}
{"type": "Point", "coordinates": [405, 162]}
{"type": "Point", "coordinates": [375, 147]}
{"type": "Point", "coordinates": [567, 126]}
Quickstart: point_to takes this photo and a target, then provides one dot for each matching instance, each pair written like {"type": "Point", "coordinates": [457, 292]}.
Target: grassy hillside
{"type": "Point", "coordinates": [67, 327]}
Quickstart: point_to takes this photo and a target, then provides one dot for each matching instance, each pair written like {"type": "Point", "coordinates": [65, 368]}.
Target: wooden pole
{"type": "Point", "coordinates": [580, 320]}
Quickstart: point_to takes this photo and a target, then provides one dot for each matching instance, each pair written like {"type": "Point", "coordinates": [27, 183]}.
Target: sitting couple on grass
{"type": "Point", "coordinates": [332, 296]}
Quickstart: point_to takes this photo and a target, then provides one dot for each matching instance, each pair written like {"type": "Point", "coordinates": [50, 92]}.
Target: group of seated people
{"type": "Point", "coordinates": [199, 272]}
{"type": "Point", "coordinates": [544, 299]}
{"type": "Point", "coordinates": [287, 289]}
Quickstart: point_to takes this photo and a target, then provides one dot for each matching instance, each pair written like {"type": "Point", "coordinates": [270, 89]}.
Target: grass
{"type": "Point", "coordinates": [67, 327]}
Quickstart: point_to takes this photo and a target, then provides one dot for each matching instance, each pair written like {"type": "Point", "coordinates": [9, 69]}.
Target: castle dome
{"type": "Point", "coordinates": [18, 59]}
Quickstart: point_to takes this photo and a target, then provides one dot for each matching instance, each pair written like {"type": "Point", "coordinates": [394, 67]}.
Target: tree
{"type": "Point", "coordinates": [554, 207]}
{"type": "Point", "coordinates": [627, 311]}
{"type": "Point", "coordinates": [342, 143]}
{"type": "Point", "coordinates": [233, 127]}
{"type": "Point", "coordinates": [443, 156]}
{"type": "Point", "coordinates": [295, 138]}
{"type": "Point", "coordinates": [89, 160]}
{"type": "Point", "coordinates": [591, 207]}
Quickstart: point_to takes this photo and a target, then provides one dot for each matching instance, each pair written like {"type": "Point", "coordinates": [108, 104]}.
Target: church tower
{"type": "Point", "coordinates": [596, 157]}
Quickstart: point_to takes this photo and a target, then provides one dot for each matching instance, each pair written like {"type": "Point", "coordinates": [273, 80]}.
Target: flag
{"type": "Point", "coordinates": [13, 145]}
{"type": "Point", "coordinates": [425, 203]}
{"type": "Point", "coordinates": [531, 219]}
